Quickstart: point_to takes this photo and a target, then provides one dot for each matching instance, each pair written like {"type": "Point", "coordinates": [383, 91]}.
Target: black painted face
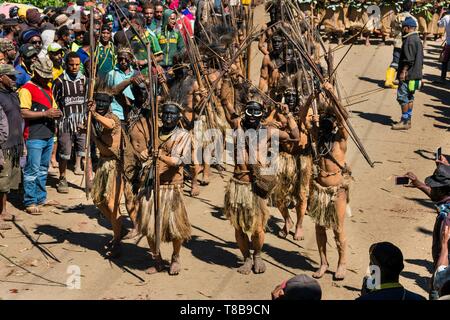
{"type": "Point", "coordinates": [170, 116]}
{"type": "Point", "coordinates": [326, 124]}
{"type": "Point", "coordinates": [277, 43]}
{"type": "Point", "coordinates": [254, 112]}
{"type": "Point", "coordinates": [102, 102]}
{"type": "Point", "coordinates": [290, 56]}
{"type": "Point", "coordinates": [291, 99]}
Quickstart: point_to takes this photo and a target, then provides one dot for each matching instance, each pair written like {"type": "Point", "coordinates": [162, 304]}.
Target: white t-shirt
{"type": "Point", "coordinates": [445, 23]}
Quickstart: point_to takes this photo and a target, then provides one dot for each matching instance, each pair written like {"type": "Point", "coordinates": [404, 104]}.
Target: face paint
{"type": "Point", "coordinates": [102, 102]}
{"type": "Point", "coordinates": [254, 112]}
{"type": "Point", "coordinates": [290, 98]}
{"type": "Point", "coordinates": [326, 124]}
{"type": "Point", "coordinates": [290, 56]}
{"type": "Point", "coordinates": [277, 43]}
{"type": "Point", "coordinates": [170, 116]}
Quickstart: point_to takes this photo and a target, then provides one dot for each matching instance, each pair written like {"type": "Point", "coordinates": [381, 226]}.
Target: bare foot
{"type": "Point", "coordinates": [175, 266]}
{"type": "Point", "coordinates": [287, 227]}
{"type": "Point", "coordinates": [258, 264]}
{"type": "Point", "coordinates": [298, 234]}
{"type": "Point", "coordinates": [320, 272]}
{"type": "Point", "coordinates": [158, 267]}
{"type": "Point", "coordinates": [131, 234]}
{"type": "Point", "coordinates": [246, 268]}
{"type": "Point", "coordinates": [195, 189]}
{"type": "Point", "coordinates": [340, 272]}
{"type": "Point", "coordinates": [205, 180]}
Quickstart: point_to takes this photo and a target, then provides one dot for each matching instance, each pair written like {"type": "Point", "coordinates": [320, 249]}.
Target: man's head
{"type": "Point", "coordinates": [32, 36]}
{"type": "Point", "coordinates": [439, 183]}
{"type": "Point", "coordinates": [132, 7]}
{"type": "Point", "coordinates": [11, 26]}
{"type": "Point", "coordinates": [63, 34]}
{"type": "Point", "coordinates": [277, 43]}
{"type": "Point", "coordinates": [42, 72]}
{"type": "Point", "coordinates": [254, 112]}
{"type": "Point", "coordinates": [8, 49]}
{"type": "Point", "coordinates": [159, 9]}
{"type": "Point", "coordinates": [105, 35]}
{"type": "Point", "coordinates": [409, 25]}
{"type": "Point", "coordinates": [289, 55]}
{"type": "Point", "coordinates": [389, 259]}
{"type": "Point", "coordinates": [327, 123]}
{"type": "Point", "coordinates": [79, 36]}
{"type": "Point", "coordinates": [291, 99]}
{"type": "Point", "coordinates": [7, 77]}
{"type": "Point", "coordinates": [148, 11]}
{"type": "Point", "coordinates": [55, 53]}
{"type": "Point", "coordinates": [108, 20]}
{"type": "Point", "coordinates": [124, 58]}
{"type": "Point", "coordinates": [300, 287]}
{"type": "Point", "coordinates": [29, 54]}
{"type": "Point", "coordinates": [33, 17]}
{"type": "Point", "coordinates": [73, 63]}
{"type": "Point", "coordinates": [103, 102]}
{"type": "Point", "coordinates": [407, 6]}
{"type": "Point", "coordinates": [170, 114]}
{"type": "Point", "coordinates": [138, 21]}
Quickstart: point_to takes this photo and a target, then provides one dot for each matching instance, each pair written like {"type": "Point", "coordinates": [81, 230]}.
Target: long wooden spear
{"type": "Point", "coordinates": [92, 69]}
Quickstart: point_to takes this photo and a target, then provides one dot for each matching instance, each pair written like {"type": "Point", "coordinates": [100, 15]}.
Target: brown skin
{"type": "Point", "coordinates": [105, 37]}
{"type": "Point", "coordinates": [269, 75]}
{"type": "Point", "coordinates": [36, 41]}
{"type": "Point", "coordinates": [148, 15]}
{"type": "Point", "coordinates": [327, 165]}
{"type": "Point", "coordinates": [2, 58]}
{"type": "Point", "coordinates": [257, 239]}
{"type": "Point", "coordinates": [110, 209]}
{"type": "Point", "coordinates": [159, 12]}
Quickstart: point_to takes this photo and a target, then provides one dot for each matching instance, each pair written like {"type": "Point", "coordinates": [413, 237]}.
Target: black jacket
{"type": "Point", "coordinates": [412, 56]}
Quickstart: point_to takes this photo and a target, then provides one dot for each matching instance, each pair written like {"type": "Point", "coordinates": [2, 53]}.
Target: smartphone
{"type": "Point", "coordinates": [401, 180]}
{"type": "Point", "coordinates": [438, 153]}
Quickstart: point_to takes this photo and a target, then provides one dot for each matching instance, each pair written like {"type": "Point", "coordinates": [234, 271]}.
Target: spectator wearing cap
{"type": "Point", "coordinates": [300, 287]}
{"type": "Point", "coordinates": [384, 283]}
{"type": "Point", "coordinates": [122, 71]}
{"type": "Point", "coordinates": [444, 22]}
{"type": "Point", "coordinates": [39, 111]}
{"type": "Point", "coordinates": [56, 53]}
{"type": "Point", "coordinates": [32, 36]}
{"type": "Point", "coordinates": [11, 30]}
{"type": "Point", "coordinates": [27, 56]}
{"type": "Point", "coordinates": [69, 92]}
{"type": "Point", "coordinates": [437, 188]}
{"type": "Point", "coordinates": [105, 53]}
{"type": "Point", "coordinates": [171, 42]}
{"type": "Point", "coordinates": [79, 33]}
{"type": "Point", "coordinates": [441, 282]}
{"type": "Point", "coordinates": [33, 18]}
{"type": "Point", "coordinates": [409, 72]}
{"type": "Point", "coordinates": [9, 50]}
{"type": "Point", "coordinates": [12, 148]}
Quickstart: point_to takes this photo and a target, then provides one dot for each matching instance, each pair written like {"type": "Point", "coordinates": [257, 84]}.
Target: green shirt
{"type": "Point", "coordinates": [106, 58]}
{"type": "Point", "coordinates": [171, 43]}
{"type": "Point", "coordinates": [140, 50]}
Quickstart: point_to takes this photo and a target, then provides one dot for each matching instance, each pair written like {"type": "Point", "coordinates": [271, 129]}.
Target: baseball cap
{"type": "Point", "coordinates": [27, 50]}
{"type": "Point", "coordinates": [302, 287]}
{"type": "Point", "coordinates": [54, 47]}
{"type": "Point", "coordinates": [8, 70]}
{"type": "Point", "coordinates": [409, 22]}
{"type": "Point", "coordinates": [440, 177]}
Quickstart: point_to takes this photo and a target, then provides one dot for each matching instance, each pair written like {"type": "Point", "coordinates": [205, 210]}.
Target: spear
{"type": "Point", "coordinates": [340, 111]}
{"type": "Point", "coordinates": [92, 70]}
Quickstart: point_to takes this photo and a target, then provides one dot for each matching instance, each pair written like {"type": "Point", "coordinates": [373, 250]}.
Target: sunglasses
{"type": "Point", "coordinates": [36, 42]}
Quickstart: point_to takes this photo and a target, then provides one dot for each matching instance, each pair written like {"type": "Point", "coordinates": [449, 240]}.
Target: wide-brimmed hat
{"type": "Point", "coordinates": [440, 177]}
{"type": "Point", "coordinates": [8, 70]}
{"type": "Point", "coordinates": [43, 67]}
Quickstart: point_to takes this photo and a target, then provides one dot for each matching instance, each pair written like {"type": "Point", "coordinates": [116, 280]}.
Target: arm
{"type": "Point", "coordinates": [262, 44]}
{"type": "Point", "coordinates": [28, 114]}
{"type": "Point", "coordinates": [264, 75]}
{"type": "Point", "coordinates": [445, 237]}
{"type": "Point", "coordinates": [4, 129]}
{"type": "Point", "coordinates": [416, 183]}
{"type": "Point", "coordinates": [104, 121]}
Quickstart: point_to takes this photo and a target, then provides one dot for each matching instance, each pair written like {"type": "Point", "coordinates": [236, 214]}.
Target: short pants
{"type": "Point", "coordinates": [10, 175]}
{"type": "Point", "coordinates": [65, 142]}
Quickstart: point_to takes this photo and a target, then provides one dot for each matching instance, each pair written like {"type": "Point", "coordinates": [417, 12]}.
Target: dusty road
{"type": "Point", "coordinates": [381, 211]}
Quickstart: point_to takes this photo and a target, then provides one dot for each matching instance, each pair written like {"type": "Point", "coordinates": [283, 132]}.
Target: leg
{"type": "Point", "coordinates": [300, 210]}
{"type": "Point", "coordinates": [444, 68]}
{"type": "Point", "coordinates": [341, 242]}
{"type": "Point", "coordinates": [175, 266]}
{"type": "Point", "coordinates": [80, 141]}
{"type": "Point", "coordinates": [287, 221]}
{"type": "Point", "coordinates": [131, 209]}
{"type": "Point", "coordinates": [206, 172]}
{"type": "Point", "coordinates": [115, 217]}
{"type": "Point", "coordinates": [244, 245]}
{"type": "Point", "coordinates": [53, 161]}
{"type": "Point", "coordinates": [4, 215]}
{"type": "Point", "coordinates": [257, 244]}
{"type": "Point", "coordinates": [159, 262]}
{"type": "Point", "coordinates": [195, 186]}
{"type": "Point", "coordinates": [43, 171]}
{"type": "Point", "coordinates": [31, 172]}
{"type": "Point", "coordinates": [321, 238]}
{"type": "Point", "coordinates": [65, 151]}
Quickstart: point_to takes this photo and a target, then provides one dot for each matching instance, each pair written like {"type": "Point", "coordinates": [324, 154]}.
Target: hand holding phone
{"type": "Point", "coordinates": [438, 154]}
{"type": "Point", "coordinates": [401, 180]}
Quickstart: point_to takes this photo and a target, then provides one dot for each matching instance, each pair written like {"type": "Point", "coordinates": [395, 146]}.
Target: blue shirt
{"type": "Point", "coordinates": [114, 77]}
{"type": "Point", "coordinates": [22, 77]}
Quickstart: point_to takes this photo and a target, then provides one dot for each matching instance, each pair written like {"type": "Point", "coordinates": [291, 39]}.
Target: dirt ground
{"type": "Point", "coordinates": [381, 211]}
